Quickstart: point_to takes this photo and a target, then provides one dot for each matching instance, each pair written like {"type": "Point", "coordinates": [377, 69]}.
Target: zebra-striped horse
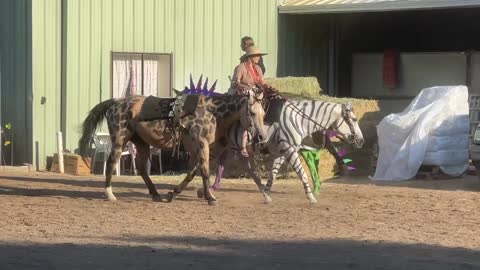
{"type": "Point", "coordinates": [287, 134]}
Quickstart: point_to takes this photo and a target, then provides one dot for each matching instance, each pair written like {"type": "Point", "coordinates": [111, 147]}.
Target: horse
{"type": "Point", "coordinates": [208, 122]}
{"type": "Point", "coordinates": [293, 124]}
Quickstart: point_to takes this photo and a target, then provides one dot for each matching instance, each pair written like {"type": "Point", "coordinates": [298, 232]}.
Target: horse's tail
{"type": "Point", "coordinates": [89, 126]}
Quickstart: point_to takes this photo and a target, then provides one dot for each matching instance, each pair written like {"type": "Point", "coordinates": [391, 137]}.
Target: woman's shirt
{"type": "Point", "coordinates": [246, 77]}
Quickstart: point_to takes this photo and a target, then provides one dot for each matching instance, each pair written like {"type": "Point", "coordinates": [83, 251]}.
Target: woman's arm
{"type": "Point", "coordinates": [237, 80]}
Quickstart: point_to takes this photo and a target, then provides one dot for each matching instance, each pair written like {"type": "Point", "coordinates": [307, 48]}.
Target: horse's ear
{"type": "Point", "coordinates": [349, 105]}
{"type": "Point", "coordinates": [257, 93]}
{"type": "Point", "coordinates": [177, 93]}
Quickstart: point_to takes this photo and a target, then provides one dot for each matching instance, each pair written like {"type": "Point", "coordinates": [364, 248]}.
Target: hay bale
{"type": "Point", "coordinates": [302, 87]}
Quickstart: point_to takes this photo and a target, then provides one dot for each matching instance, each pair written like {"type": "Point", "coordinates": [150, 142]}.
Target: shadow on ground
{"type": "Point", "coordinates": [96, 182]}
{"type": "Point", "coordinates": [467, 183]}
{"type": "Point", "coordinates": [205, 253]}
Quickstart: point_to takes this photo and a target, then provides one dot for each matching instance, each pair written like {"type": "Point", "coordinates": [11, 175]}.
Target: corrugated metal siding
{"type": "Point", "coordinates": [303, 46]}
{"type": "Point", "coordinates": [204, 36]}
{"type": "Point", "coordinates": [46, 72]}
{"type": "Point", "coordinates": [16, 80]}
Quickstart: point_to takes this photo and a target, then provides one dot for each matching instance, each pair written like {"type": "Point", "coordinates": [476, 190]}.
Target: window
{"type": "Point", "coordinates": [141, 74]}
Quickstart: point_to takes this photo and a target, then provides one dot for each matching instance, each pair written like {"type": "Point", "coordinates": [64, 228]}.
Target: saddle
{"type": "Point", "coordinates": [155, 108]}
{"type": "Point", "coordinates": [171, 109]}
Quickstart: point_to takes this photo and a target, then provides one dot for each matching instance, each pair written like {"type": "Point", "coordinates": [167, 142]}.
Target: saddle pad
{"type": "Point", "coordinates": [274, 110]}
{"type": "Point", "coordinates": [155, 108]}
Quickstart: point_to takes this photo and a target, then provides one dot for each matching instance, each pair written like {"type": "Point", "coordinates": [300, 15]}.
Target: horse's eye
{"type": "Point", "coordinates": [252, 113]}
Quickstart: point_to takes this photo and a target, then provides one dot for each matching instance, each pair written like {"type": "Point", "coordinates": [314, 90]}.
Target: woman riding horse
{"type": "Point", "coordinates": [248, 75]}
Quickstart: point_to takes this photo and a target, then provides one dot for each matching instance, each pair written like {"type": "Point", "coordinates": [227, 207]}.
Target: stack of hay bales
{"type": "Point", "coordinates": [367, 111]}
{"type": "Point", "coordinates": [300, 87]}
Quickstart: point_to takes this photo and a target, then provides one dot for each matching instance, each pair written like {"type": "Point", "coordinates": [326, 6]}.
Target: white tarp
{"type": "Point", "coordinates": [432, 130]}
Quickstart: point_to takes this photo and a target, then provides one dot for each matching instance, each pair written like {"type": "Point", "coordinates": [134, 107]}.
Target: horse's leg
{"type": "Point", "coordinates": [257, 181]}
{"type": "Point", "coordinates": [221, 167]}
{"type": "Point", "coordinates": [294, 160]}
{"type": "Point", "coordinates": [274, 168]}
{"type": "Point", "coordinates": [117, 145]}
{"type": "Point", "coordinates": [178, 189]}
{"type": "Point", "coordinates": [143, 155]}
{"type": "Point", "coordinates": [204, 169]}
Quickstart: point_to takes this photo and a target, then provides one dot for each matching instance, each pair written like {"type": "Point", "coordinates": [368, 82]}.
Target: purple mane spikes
{"type": "Point", "coordinates": [199, 84]}
{"type": "Point", "coordinates": [205, 88]}
{"type": "Point", "coordinates": [190, 90]}
{"type": "Point", "coordinates": [213, 86]}
{"type": "Point", "coordinates": [199, 90]}
{"type": "Point", "coordinates": [192, 85]}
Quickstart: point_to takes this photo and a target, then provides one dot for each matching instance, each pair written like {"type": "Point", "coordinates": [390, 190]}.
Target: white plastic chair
{"type": "Point", "coordinates": [103, 147]}
{"type": "Point", "coordinates": [155, 152]}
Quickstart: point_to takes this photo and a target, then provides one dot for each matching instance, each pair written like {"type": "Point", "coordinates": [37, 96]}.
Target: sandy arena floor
{"type": "Point", "coordinates": [50, 221]}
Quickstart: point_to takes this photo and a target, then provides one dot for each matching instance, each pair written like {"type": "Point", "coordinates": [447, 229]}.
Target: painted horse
{"type": "Point", "coordinates": [288, 125]}
{"type": "Point", "coordinates": [208, 121]}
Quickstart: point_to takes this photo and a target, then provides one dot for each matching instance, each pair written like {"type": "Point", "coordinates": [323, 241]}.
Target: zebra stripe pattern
{"type": "Point", "coordinates": [284, 138]}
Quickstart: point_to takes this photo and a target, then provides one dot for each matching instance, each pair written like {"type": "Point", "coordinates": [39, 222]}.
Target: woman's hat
{"type": "Point", "coordinates": [252, 51]}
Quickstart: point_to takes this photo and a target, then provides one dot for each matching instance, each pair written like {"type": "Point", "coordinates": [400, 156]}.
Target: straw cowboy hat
{"type": "Point", "coordinates": [252, 51]}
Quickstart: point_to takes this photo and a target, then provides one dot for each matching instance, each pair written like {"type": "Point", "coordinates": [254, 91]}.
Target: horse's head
{"type": "Point", "coordinates": [252, 114]}
{"type": "Point", "coordinates": [347, 128]}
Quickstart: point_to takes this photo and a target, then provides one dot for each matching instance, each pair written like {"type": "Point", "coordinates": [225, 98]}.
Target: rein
{"type": "Point", "coordinates": [251, 93]}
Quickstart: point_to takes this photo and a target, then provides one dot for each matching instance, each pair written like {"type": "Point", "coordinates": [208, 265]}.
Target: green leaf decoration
{"type": "Point", "coordinates": [347, 160]}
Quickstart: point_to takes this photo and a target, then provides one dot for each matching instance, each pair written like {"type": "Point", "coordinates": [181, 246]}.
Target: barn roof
{"type": "Point", "coordinates": [340, 6]}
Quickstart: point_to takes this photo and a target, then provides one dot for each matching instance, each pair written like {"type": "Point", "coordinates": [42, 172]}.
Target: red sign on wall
{"type": "Point", "coordinates": [390, 69]}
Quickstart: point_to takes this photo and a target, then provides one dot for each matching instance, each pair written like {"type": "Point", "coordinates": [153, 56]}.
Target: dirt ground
{"type": "Point", "coordinates": [50, 221]}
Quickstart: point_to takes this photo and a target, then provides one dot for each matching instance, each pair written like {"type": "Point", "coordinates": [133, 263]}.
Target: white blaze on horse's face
{"type": "Point", "coordinates": [347, 127]}
{"type": "Point", "coordinates": [252, 115]}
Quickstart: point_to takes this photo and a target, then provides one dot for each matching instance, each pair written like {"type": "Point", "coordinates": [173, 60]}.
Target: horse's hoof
{"type": "Point", "coordinates": [200, 193]}
{"type": "Point", "coordinates": [311, 198]}
{"type": "Point", "coordinates": [109, 194]}
{"type": "Point", "coordinates": [212, 203]}
{"type": "Point", "coordinates": [215, 187]}
{"type": "Point", "coordinates": [170, 196]}
{"type": "Point", "coordinates": [268, 200]}
{"type": "Point", "coordinates": [110, 197]}
{"type": "Point", "coordinates": [157, 198]}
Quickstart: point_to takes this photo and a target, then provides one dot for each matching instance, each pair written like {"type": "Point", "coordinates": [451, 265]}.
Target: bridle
{"type": "Point", "coordinates": [346, 118]}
